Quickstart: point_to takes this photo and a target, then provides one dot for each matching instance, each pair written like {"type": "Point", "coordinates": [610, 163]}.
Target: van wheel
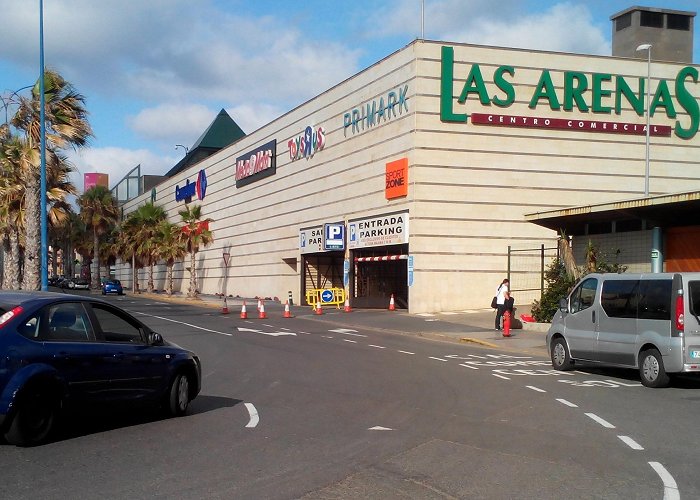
{"type": "Point", "coordinates": [34, 419]}
{"type": "Point", "coordinates": [651, 369]}
{"type": "Point", "coordinates": [561, 360]}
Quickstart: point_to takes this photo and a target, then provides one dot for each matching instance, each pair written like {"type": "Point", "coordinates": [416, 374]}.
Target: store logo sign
{"type": "Point", "coordinates": [396, 179]}
{"type": "Point", "coordinates": [188, 191]}
{"type": "Point", "coordinates": [373, 113]}
{"type": "Point", "coordinates": [307, 144]}
{"type": "Point", "coordinates": [256, 164]}
{"type": "Point", "coordinates": [600, 93]}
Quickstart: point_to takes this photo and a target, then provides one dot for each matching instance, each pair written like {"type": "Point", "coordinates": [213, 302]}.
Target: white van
{"type": "Point", "coordinates": [645, 321]}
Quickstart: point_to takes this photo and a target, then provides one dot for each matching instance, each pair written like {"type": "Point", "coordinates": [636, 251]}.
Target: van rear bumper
{"type": "Point", "coordinates": [691, 367]}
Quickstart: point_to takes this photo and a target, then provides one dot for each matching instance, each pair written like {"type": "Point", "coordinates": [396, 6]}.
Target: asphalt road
{"type": "Point", "coordinates": [301, 408]}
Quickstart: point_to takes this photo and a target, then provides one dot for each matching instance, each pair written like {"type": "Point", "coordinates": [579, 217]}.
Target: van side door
{"type": "Point", "coordinates": [617, 335]}
{"type": "Point", "coordinates": [655, 311]}
{"type": "Point", "coordinates": [581, 324]}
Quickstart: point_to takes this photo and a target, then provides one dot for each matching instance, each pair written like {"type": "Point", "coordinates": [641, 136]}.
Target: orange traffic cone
{"type": "Point", "coordinates": [224, 310]}
{"type": "Point", "coordinates": [259, 304]}
{"type": "Point", "coordinates": [261, 314]}
{"type": "Point", "coordinates": [392, 306]}
{"type": "Point", "coordinates": [244, 314]}
{"type": "Point", "coordinates": [318, 311]}
{"type": "Point", "coordinates": [287, 313]}
{"type": "Point", "coordinates": [347, 306]}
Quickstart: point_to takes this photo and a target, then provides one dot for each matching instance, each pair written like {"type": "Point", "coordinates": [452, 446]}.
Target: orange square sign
{"type": "Point", "coordinates": [396, 179]}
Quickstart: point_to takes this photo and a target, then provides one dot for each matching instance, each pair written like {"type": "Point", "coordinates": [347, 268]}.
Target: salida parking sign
{"type": "Point", "coordinates": [334, 236]}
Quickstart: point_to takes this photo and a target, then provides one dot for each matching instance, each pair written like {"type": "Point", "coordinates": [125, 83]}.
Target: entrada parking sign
{"type": "Point", "coordinates": [334, 236]}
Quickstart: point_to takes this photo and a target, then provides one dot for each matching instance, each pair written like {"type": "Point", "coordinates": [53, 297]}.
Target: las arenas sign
{"type": "Point", "coordinates": [601, 93]}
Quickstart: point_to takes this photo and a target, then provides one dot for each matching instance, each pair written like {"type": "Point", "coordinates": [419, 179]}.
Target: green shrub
{"type": "Point", "coordinates": [558, 283]}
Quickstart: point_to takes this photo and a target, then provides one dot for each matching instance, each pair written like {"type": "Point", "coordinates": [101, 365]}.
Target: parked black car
{"type": "Point", "coordinates": [53, 349]}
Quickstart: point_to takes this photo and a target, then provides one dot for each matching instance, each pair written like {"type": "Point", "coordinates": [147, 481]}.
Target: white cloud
{"type": "Point", "coordinates": [550, 30]}
{"type": "Point", "coordinates": [251, 117]}
{"type": "Point", "coordinates": [172, 123]}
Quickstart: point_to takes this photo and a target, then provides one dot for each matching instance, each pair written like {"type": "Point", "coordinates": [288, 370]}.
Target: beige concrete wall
{"type": "Point", "coordinates": [469, 185]}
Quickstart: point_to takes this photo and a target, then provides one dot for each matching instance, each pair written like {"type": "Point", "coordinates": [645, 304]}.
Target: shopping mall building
{"type": "Point", "coordinates": [418, 176]}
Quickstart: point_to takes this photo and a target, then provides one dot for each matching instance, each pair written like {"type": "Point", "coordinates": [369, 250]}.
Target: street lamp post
{"type": "Point", "coordinates": [42, 116]}
{"type": "Point", "coordinates": [647, 47]}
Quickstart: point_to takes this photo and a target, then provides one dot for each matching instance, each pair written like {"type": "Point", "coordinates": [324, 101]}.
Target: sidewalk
{"type": "Point", "coordinates": [476, 326]}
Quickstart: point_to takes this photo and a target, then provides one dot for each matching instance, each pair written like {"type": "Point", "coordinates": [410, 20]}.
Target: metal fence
{"type": "Point", "coordinates": [526, 268]}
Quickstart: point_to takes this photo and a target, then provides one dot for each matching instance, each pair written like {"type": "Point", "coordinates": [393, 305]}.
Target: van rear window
{"type": "Point", "coordinates": [655, 299]}
{"type": "Point", "coordinates": [694, 299]}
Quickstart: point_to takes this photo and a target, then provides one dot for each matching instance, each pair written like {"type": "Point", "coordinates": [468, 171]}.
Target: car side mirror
{"type": "Point", "coordinates": [155, 338]}
{"type": "Point", "coordinates": [563, 305]}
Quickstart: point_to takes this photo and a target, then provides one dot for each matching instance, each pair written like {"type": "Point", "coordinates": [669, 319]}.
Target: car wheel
{"type": "Point", "coordinates": [179, 395]}
{"type": "Point", "coordinates": [651, 369]}
{"type": "Point", "coordinates": [34, 419]}
{"type": "Point", "coordinates": [561, 360]}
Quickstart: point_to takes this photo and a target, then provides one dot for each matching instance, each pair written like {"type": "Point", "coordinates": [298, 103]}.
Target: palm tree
{"type": "Point", "coordinates": [66, 126]}
{"type": "Point", "coordinates": [171, 248]}
{"type": "Point", "coordinates": [127, 247]}
{"type": "Point", "coordinates": [16, 158]}
{"type": "Point", "coordinates": [99, 211]}
{"type": "Point", "coordinates": [148, 217]}
{"type": "Point", "coordinates": [195, 234]}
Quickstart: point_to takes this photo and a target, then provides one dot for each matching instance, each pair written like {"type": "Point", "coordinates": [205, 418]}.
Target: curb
{"type": "Point", "coordinates": [472, 340]}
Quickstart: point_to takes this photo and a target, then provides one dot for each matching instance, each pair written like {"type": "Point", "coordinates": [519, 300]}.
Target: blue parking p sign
{"type": "Point", "coordinates": [334, 236]}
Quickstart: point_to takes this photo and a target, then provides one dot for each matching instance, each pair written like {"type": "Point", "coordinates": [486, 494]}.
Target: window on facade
{"type": "Point", "coordinates": [599, 227]}
{"type": "Point", "coordinates": [584, 295]}
{"type": "Point", "coordinates": [677, 22]}
{"type": "Point", "coordinates": [619, 298]}
{"type": "Point", "coordinates": [623, 226]}
{"type": "Point", "coordinates": [651, 19]}
{"type": "Point", "coordinates": [655, 299]}
{"type": "Point", "coordinates": [624, 21]}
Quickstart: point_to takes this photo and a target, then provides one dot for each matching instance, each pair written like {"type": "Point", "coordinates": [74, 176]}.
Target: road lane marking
{"type": "Point", "coordinates": [567, 403]}
{"type": "Point", "coordinates": [377, 346]}
{"type": "Point", "coordinates": [500, 376]}
{"type": "Point", "coordinates": [670, 487]}
{"type": "Point", "coordinates": [379, 428]}
{"type": "Point", "coordinates": [407, 352]}
{"type": "Point", "coordinates": [468, 366]}
{"type": "Point", "coordinates": [351, 341]}
{"type": "Point", "coordinates": [438, 359]}
{"type": "Point", "coordinates": [273, 334]}
{"type": "Point", "coordinates": [601, 421]}
{"type": "Point", "coordinates": [183, 323]}
{"type": "Point", "coordinates": [537, 389]}
{"type": "Point", "coordinates": [347, 331]}
{"type": "Point", "coordinates": [631, 442]}
{"type": "Point", "coordinates": [254, 417]}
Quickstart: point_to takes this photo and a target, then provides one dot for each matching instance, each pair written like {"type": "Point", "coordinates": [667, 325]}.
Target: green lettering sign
{"type": "Point", "coordinates": [623, 89]}
{"type": "Point", "coordinates": [447, 113]}
{"type": "Point", "coordinates": [599, 92]}
{"type": "Point", "coordinates": [662, 99]}
{"type": "Point", "coordinates": [545, 90]}
{"type": "Point", "coordinates": [474, 84]}
{"type": "Point", "coordinates": [504, 85]}
{"type": "Point", "coordinates": [688, 102]}
{"type": "Point", "coordinates": [575, 84]}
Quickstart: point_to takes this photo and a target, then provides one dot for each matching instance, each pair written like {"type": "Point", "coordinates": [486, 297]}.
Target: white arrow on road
{"type": "Point", "coordinates": [347, 331]}
{"type": "Point", "coordinates": [273, 334]}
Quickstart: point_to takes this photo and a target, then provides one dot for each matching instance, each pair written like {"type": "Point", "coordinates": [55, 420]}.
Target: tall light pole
{"type": "Point", "coordinates": [647, 47]}
{"type": "Point", "coordinates": [42, 194]}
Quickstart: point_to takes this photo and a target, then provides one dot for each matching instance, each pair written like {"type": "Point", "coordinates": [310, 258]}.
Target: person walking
{"type": "Point", "coordinates": [501, 293]}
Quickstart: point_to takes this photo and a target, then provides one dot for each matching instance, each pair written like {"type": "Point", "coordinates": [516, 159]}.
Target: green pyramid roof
{"type": "Point", "coordinates": [222, 132]}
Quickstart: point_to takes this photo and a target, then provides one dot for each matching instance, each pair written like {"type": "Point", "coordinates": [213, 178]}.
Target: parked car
{"type": "Point", "coordinates": [650, 322]}
{"type": "Point", "coordinates": [112, 286]}
{"type": "Point", "coordinates": [53, 349]}
{"type": "Point", "coordinates": [76, 284]}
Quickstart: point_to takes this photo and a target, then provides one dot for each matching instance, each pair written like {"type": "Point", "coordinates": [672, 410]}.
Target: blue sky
{"type": "Point", "coordinates": [155, 73]}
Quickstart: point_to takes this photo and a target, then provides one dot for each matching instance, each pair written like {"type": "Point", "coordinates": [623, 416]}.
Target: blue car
{"type": "Point", "coordinates": [53, 352]}
{"type": "Point", "coordinates": [112, 286]}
